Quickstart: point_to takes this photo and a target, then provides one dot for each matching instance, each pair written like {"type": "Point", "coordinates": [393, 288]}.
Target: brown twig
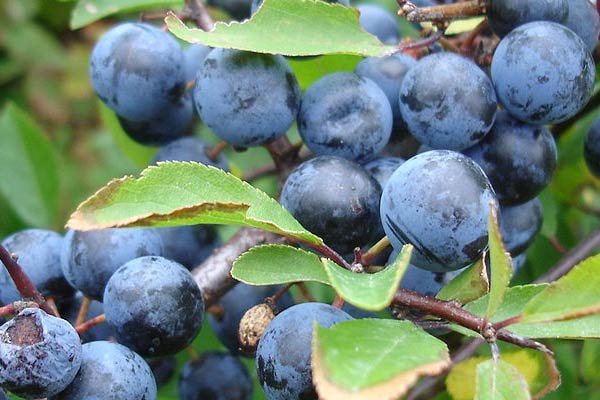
{"type": "Point", "coordinates": [572, 258]}
{"type": "Point", "coordinates": [199, 13]}
{"type": "Point", "coordinates": [452, 312]}
{"type": "Point", "coordinates": [441, 13]}
{"type": "Point", "coordinates": [213, 275]}
{"type": "Point", "coordinates": [24, 285]}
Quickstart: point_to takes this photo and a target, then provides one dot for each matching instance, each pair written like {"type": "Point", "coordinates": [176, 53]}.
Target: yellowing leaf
{"type": "Point", "coordinates": [373, 359]}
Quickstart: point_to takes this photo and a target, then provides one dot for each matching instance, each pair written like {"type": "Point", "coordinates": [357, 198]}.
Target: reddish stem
{"type": "Point", "coordinates": [338, 302]}
{"type": "Point", "coordinates": [83, 310]}
{"type": "Point", "coordinates": [24, 285]}
{"type": "Point", "coordinates": [214, 152]}
{"type": "Point", "coordinates": [16, 307]}
{"type": "Point", "coordinates": [82, 328]}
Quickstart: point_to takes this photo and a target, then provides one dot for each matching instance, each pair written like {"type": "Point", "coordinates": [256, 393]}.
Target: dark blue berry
{"type": "Point", "coordinates": [439, 202]}
{"type": "Point", "coordinates": [110, 371]}
{"type": "Point", "coordinates": [345, 115]}
{"type": "Point", "coordinates": [137, 70]}
{"type": "Point", "coordinates": [155, 306]}
{"type": "Point", "coordinates": [519, 224]}
{"type": "Point", "coordinates": [447, 101]}
{"type": "Point", "coordinates": [88, 259]}
{"type": "Point", "coordinates": [518, 159]}
{"type": "Point", "coordinates": [215, 375]}
{"type": "Point", "coordinates": [543, 73]}
{"type": "Point", "coordinates": [335, 199]}
{"type": "Point", "coordinates": [506, 15]}
{"type": "Point", "coordinates": [284, 351]}
{"type": "Point", "coordinates": [247, 99]}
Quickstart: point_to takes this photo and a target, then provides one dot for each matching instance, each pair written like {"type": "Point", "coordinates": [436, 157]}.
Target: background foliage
{"type": "Point", "coordinates": [59, 145]}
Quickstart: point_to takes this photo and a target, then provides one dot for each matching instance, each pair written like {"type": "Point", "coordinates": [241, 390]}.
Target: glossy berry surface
{"type": "Point", "coordinates": [335, 199]}
{"type": "Point", "coordinates": [519, 224]}
{"type": "Point", "coordinates": [345, 115]}
{"type": "Point", "coordinates": [84, 259]}
{"type": "Point", "coordinates": [439, 202]}
{"type": "Point", "coordinates": [38, 253]}
{"type": "Point", "coordinates": [379, 22]}
{"type": "Point", "coordinates": [447, 101]}
{"type": "Point", "coordinates": [235, 303]}
{"type": "Point", "coordinates": [518, 159]}
{"type": "Point", "coordinates": [110, 371]}
{"type": "Point", "coordinates": [171, 124]}
{"type": "Point", "coordinates": [284, 351]}
{"type": "Point", "coordinates": [247, 99]}
{"type": "Point", "coordinates": [137, 70]}
{"type": "Point", "coordinates": [506, 15]}
{"type": "Point", "coordinates": [543, 73]}
{"type": "Point", "coordinates": [39, 354]}
{"type": "Point", "coordinates": [217, 376]}
{"type": "Point", "coordinates": [154, 305]}
{"type": "Point", "coordinates": [189, 149]}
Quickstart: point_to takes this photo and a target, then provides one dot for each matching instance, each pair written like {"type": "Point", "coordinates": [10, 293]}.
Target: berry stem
{"type": "Point", "coordinates": [217, 311]}
{"type": "Point", "coordinates": [338, 302]}
{"type": "Point", "coordinates": [82, 328]}
{"type": "Point", "coordinates": [24, 285]}
{"type": "Point", "coordinates": [452, 312]}
{"type": "Point", "coordinates": [271, 300]}
{"type": "Point", "coordinates": [375, 250]}
{"type": "Point", "coordinates": [305, 292]}
{"type": "Point", "coordinates": [16, 307]}
{"type": "Point", "coordinates": [83, 310]}
{"type": "Point", "coordinates": [214, 152]}
{"type": "Point", "coordinates": [441, 13]}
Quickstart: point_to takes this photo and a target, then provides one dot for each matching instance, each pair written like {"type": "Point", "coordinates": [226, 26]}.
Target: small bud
{"type": "Point", "coordinates": [252, 325]}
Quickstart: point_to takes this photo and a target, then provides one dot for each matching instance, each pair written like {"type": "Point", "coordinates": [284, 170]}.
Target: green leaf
{"type": "Point", "coordinates": [371, 292]}
{"type": "Point", "coordinates": [469, 285]}
{"type": "Point", "coordinates": [309, 71]}
{"type": "Point", "coordinates": [28, 169]}
{"type": "Point", "coordinates": [538, 369]}
{"type": "Point", "coordinates": [463, 25]}
{"type": "Point", "coordinates": [498, 380]}
{"type": "Point", "coordinates": [573, 296]}
{"type": "Point", "coordinates": [87, 11]}
{"type": "Point", "coordinates": [185, 193]}
{"type": "Point", "coordinates": [373, 359]}
{"type": "Point", "coordinates": [590, 362]}
{"type": "Point", "coordinates": [139, 154]}
{"type": "Point", "coordinates": [515, 300]}
{"type": "Point", "coordinates": [501, 265]}
{"type": "Point", "coordinates": [289, 27]}
{"type": "Point", "coordinates": [276, 264]}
